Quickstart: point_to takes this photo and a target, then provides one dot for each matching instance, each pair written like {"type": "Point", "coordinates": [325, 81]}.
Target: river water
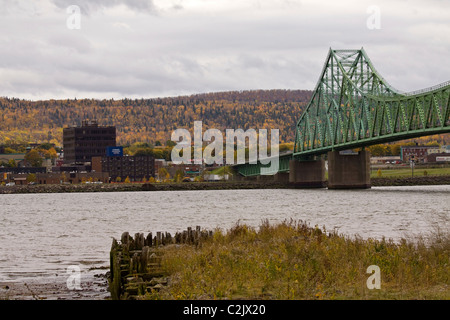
{"type": "Point", "coordinates": [42, 235]}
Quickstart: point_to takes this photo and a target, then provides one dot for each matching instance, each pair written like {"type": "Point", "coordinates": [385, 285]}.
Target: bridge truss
{"type": "Point", "coordinates": [354, 106]}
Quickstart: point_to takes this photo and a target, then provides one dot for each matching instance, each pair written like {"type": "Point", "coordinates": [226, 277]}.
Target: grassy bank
{"type": "Point", "coordinates": [406, 172]}
{"type": "Point", "coordinates": [294, 261]}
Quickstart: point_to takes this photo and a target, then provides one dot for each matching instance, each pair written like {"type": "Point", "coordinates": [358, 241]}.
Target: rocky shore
{"type": "Point", "coordinates": [120, 187]}
{"type": "Point", "coordinates": [94, 287]}
{"type": "Point", "coordinates": [411, 181]}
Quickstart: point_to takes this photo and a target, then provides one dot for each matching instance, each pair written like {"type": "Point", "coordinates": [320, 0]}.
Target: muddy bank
{"type": "Point", "coordinates": [92, 287]}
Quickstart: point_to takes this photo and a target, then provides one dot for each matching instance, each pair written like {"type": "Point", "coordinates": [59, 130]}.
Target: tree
{"type": "Point", "coordinates": [379, 174]}
{"type": "Point", "coordinates": [34, 158]}
{"type": "Point", "coordinates": [31, 177]}
{"type": "Point", "coordinates": [227, 171]}
{"type": "Point", "coordinates": [49, 153]}
{"type": "Point", "coordinates": [158, 154]}
{"type": "Point", "coordinates": [10, 150]}
{"type": "Point", "coordinates": [45, 146]}
{"type": "Point", "coordinates": [118, 179]}
{"type": "Point", "coordinates": [199, 179]}
{"type": "Point", "coordinates": [395, 149]}
{"type": "Point", "coordinates": [170, 143]}
{"type": "Point", "coordinates": [143, 152]}
{"type": "Point", "coordinates": [378, 150]}
{"type": "Point", "coordinates": [433, 144]}
{"type": "Point", "coordinates": [127, 180]}
{"type": "Point", "coordinates": [163, 174]}
{"type": "Point", "coordinates": [12, 163]}
{"type": "Point", "coordinates": [179, 174]}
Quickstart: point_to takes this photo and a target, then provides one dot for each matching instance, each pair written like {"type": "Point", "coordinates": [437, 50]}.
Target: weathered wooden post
{"type": "Point", "coordinates": [139, 241]}
{"type": "Point", "coordinates": [135, 263]}
{"type": "Point", "coordinates": [158, 238]}
{"type": "Point", "coordinates": [115, 272]}
{"type": "Point", "coordinates": [149, 240]}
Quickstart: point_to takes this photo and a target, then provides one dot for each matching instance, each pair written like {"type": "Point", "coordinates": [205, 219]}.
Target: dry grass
{"type": "Point", "coordinates": [292, 260]}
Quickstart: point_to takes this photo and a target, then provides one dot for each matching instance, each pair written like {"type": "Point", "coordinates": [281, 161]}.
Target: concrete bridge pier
{"type": "Point", "coordinates": [349, 171]}
{"type": "Point", "coordinates": [307, 174]}
{"type": "Point", "coordinates": [281, 177]}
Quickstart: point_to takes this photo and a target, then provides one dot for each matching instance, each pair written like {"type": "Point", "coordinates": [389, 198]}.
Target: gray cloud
{"type": "Point", "coordinates": [150, 48]}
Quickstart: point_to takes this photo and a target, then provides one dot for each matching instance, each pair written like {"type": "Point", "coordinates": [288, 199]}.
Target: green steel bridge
{"type": "Point", "coordinates": [353, 106]}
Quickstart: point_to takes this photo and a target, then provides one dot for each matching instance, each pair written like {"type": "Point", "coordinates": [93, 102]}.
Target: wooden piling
{"type": "Point", "coordinates": [135, 263]}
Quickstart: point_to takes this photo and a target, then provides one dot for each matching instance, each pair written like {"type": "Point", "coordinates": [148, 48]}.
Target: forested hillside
{"type": "Point", "coordinates": [152, 120]}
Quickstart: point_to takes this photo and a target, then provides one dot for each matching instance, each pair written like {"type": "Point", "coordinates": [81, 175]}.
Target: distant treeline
{"type": "Point", "coordinates": [153, 120]}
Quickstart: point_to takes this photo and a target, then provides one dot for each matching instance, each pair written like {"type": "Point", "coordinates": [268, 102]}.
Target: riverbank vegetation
{"type": "Point", "coordinates": [292, 260]}
{"type": "Point", "coordinates": [406, 172]}
{"type": "Point", "coordinates": [153, 120]}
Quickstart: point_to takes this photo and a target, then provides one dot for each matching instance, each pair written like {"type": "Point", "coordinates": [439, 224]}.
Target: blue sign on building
{"type": "Point", "coordinates": [114, 151]}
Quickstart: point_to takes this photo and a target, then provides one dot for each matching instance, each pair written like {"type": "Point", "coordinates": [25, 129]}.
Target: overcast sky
{"type": "Point", "coordinates": [157, 48]}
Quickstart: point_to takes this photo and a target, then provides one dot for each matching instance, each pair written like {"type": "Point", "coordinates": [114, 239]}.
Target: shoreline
{"type": "Point", "coordinates": [94, 286]}
{"type": "Point", "coordinates": [228, 185]}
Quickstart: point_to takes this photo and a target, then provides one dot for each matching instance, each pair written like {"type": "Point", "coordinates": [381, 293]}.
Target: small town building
{"type": "Point", "coordinates": [136, 168]}
{"type": "Point", "coordinates": [416, 153]}
{"type": "Point", "coordinates": [385, 160]}
{"type": "Point", "coordinates": [438, 157]}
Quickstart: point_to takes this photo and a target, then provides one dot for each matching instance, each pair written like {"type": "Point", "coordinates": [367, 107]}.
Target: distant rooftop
{"type": "Point", "coordinates": [89, 123]}
{"type": "Point", "coordinates": [416, 147]}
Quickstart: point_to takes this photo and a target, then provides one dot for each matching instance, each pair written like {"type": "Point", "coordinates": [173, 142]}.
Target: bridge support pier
{"type": "Point", "coordinates": [281, 177]}
{"type": "Point", "coordinates": [307, 174]}
{"type": "Point", "coordinates": [349, 171]}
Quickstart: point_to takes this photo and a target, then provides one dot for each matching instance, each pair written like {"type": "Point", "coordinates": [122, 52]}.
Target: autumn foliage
{"type": "Point", "coordinates": [152, 120]}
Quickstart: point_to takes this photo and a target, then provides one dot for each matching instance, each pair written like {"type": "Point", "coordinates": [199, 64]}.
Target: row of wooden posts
{"type": "Point", "coordinates": [135, 263]}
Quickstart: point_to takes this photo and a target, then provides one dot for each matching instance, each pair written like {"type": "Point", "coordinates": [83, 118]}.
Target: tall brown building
{"type": "Point", "coordinates": [89, 140]}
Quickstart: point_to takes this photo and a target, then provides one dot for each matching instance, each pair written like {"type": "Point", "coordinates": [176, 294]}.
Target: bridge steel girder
{"type": "Point", "coordinates": [254, 169]}
{"type": "Point", "coordinates": [353, 106]}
